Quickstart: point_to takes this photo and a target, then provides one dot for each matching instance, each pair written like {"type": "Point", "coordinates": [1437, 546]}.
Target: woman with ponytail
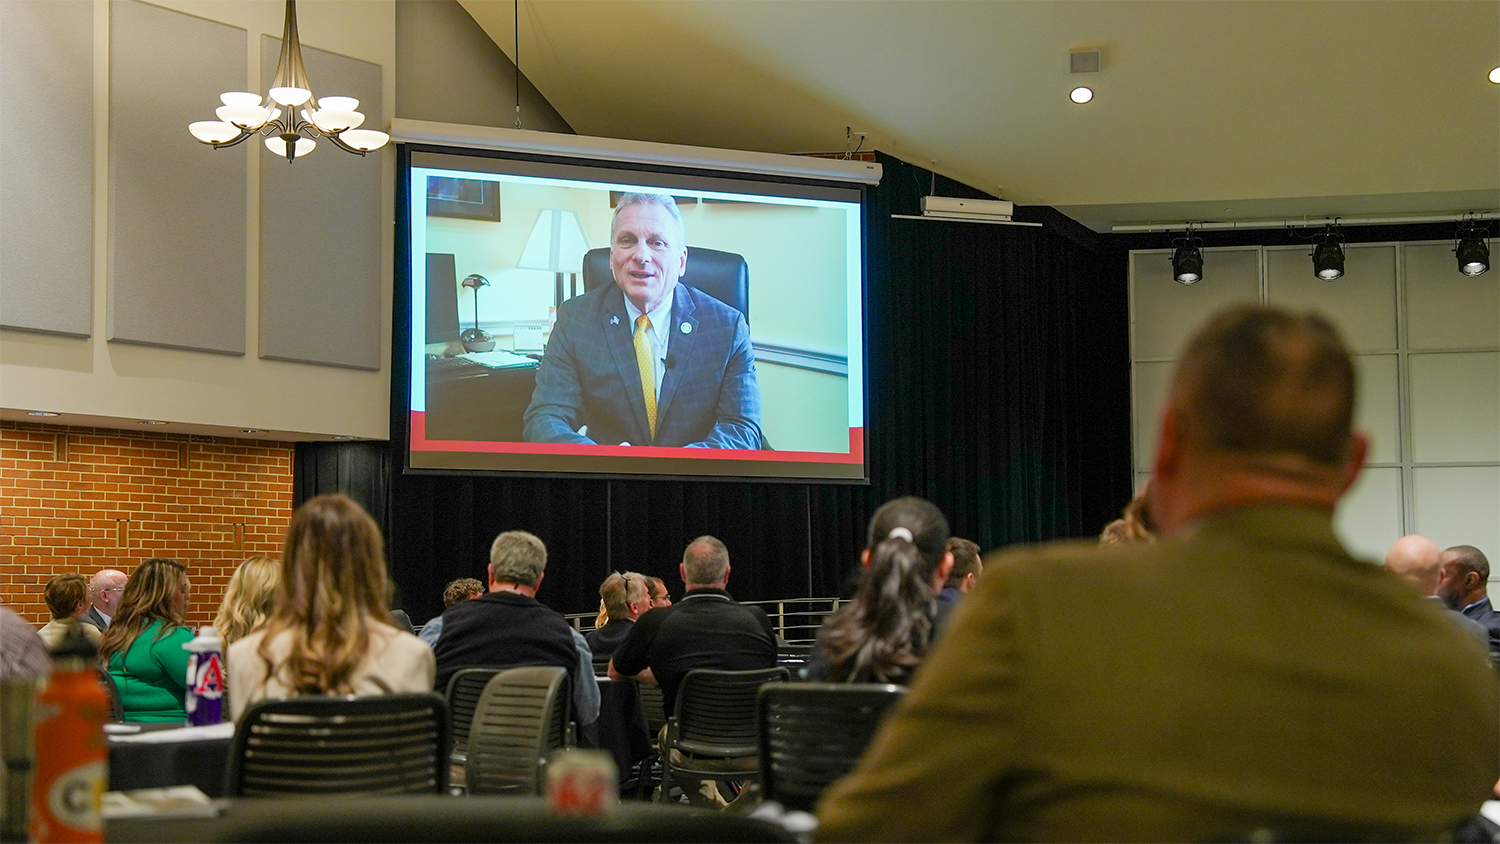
{"type": "Point", "coordinates": [882, 634]}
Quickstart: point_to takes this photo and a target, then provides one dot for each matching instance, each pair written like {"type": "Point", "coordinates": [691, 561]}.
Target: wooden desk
{"type": "Point", "coordinates": [468, 401]}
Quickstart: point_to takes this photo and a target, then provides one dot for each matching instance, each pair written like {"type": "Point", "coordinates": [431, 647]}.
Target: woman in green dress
{"type": "Point", "coordinates": [142, 647]}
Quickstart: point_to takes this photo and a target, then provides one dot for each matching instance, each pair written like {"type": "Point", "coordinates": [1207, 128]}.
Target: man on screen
{"type": "Point", "coordinates": [647, 361]}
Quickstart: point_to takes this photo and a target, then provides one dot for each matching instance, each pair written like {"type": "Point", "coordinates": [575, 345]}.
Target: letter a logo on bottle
{"type": "Point", "coordinates": [210, 677]}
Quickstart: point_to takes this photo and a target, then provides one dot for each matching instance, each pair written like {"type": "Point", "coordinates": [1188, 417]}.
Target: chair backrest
{"type": "Point", "coordinates": [716, 710]}
{"type": "Point", "coordinates": [107, 682]}
{"type": "Point", "coordinates": [310, 746]}
{"type": "Point", "coordinates": [722, 275]}
{"type": "Point", "coordinates": [521, 719]}
{"type": "Point", "coordinates": [812, 733]}
{"type": "Point", "coordinates": [653, 707]}
{"type": "Point", "coordinates": [462, 695]}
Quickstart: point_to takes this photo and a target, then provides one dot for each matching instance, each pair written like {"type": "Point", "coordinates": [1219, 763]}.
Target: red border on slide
{"type": "Point", "coordinates": [419, 442]}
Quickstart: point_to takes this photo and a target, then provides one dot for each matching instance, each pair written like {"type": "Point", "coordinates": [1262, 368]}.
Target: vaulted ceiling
{"type": "Point", "coordinates": [1203, 109]}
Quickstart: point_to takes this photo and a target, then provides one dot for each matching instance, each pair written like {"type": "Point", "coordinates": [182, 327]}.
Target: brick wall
{"type": "Point", "coordinates": [82, 499]}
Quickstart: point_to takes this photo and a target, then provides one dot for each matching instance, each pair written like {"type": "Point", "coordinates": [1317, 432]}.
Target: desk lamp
{"type": "Point", "coordinates": [476, 339]}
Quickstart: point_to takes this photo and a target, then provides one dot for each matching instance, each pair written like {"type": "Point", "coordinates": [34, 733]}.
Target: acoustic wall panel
{"type": "Point", "coordinates": [47, 218]}
{"type": "Point", "coordinates": [320, 232]}
{"type": "Point", "coordinates": [1446, 309]}
{"type": "Point", "coordinates": [177, 252]}
{"type": "Point", "coordinates": [1368, 519]}
{"type": "Point", "coordinates": [1362, 304]}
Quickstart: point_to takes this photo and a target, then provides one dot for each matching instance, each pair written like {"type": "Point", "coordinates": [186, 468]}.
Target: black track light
{"type": "Point", "coordinates": [1328, 254]}
{"type": "Point", "coordinates": [1471, 249]}
{"type": "Point", "coordinates": [1187, 258]}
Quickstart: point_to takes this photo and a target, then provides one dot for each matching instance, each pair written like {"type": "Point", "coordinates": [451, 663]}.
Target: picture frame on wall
{"type": "Point", "coordinates": [467, 199]}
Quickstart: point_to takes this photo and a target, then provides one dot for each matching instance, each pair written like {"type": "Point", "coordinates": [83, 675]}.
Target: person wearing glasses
{"type": "Point", "coordinates": [104, 597]}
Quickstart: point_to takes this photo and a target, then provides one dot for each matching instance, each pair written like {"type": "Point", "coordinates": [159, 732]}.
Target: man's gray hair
{"type": "Point", "coordinates": [706, 560]}
{"type": "Point", "coordinates": [659, 199]}
{"type": "Point", "coordinates": [517, 557]}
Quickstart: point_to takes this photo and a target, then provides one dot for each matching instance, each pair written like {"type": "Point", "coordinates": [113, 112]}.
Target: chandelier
{"type": "Point", "coordinates": [334, 118]}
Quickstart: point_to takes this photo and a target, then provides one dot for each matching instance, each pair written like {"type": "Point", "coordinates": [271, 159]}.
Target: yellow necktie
{"type": "Point", "coordinates": [644, 363]}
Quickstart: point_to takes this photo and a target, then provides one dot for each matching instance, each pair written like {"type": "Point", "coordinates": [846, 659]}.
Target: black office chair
{"type": "Point", "coordinates": [462, 695]}
{"type": "Point", "coordinates": [523, 716]}
{"type": "Point", "coordinates": [722, 275]}
{"type": "Point", "coordinates": [812, 733]}
{"type": "Point", "coordinates": [648, 700]}
{"type": "Point", "coordinates": [714, 729]}
{"type": "Point", "coordinates": [112, 691]}
{"type": "Point", "coordinates": [316, 746]}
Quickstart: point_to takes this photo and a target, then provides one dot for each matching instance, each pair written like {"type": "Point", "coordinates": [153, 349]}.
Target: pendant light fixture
{"type": "Point", "coordinates": [1471, 249]}
{"type": "Point", "coordinates": [1328, 253]}
{"type": "Point", "coordinates": [243, 116]}
{"type": "Point", "coordinates": [1187, 258]}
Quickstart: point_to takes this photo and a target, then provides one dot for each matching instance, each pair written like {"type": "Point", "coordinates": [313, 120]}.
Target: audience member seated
{"type": "Point", "coordinates": [247, 598]}
{"type": "Point", "coordinates": [461, 589]}
{"type": "Point", "coordinates": [142, 647]}
{"type": "Point", "coordinates": [1463, 572]}
{"type": "Point", "coordinates": [330, 630]}
{"type": "Point", "coordinates": [882, 634]}
{"type": "Point", "coordinates": [1134, 525]}
{"type": "Point", "coordinates": [706, 629]}
{"type": "Point", "coordinates": [1243, 678]}
{"type": "Point", "coordinates": [660, 597]}
{"type": "Point", "coordinates": [105, 589]}
{"type": "Point", "coordinates": [22, 651]}
{"type": "Point", "coordinates": [68, 598]}
{"type": "Point", "coordinates": [624, 598]}
{"type": "Point", "coordinates": [1417, 560]}
{"type": "Point", "coordinates": [965, 573]}
{"type": "Point", "coordinates": [508, 626]}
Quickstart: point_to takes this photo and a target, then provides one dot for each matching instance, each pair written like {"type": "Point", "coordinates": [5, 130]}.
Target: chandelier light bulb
{"type": "Point", "coordinates": [290, 96]}
{"type": "Point", "coordinates": [338, 103]}
{"type": "Point", "coordinates": [240, 98]}
{"type": "Point", "coordinates": [333, 120]}
{"type": "Point", "coordinates": [365, 140]}
{"type": "Point", "coordinates": [246, 116]}
{"type": "Point", "coordinates": [277, 144]}
{"type": "Point", "coordinates": [213, 131]}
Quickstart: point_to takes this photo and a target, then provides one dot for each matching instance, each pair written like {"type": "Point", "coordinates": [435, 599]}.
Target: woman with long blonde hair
{"type": "Point", "coordinates": [248, 598]}
{"type": "Point", "coordinates": [142, 647]}
{"type": "Point", "coordinates": [330, 630]}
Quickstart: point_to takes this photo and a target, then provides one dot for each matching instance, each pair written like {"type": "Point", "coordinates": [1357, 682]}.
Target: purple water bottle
{"type": "Point", "coordinates": [205, 678]}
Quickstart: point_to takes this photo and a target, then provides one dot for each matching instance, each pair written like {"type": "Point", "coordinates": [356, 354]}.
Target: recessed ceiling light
{"type": "Point", "coordinates": [151, 422]}
{"type": "Point", "coordinates": [40, 413]}
{"type": "Point", "coordinates": [251, 431]}
{"type": "Point", "coordinates": [1081, 95]}
{"type": "Point", "coordinates": [342, 438]}
{"type": "Point", "coordinates": [1495, 76]}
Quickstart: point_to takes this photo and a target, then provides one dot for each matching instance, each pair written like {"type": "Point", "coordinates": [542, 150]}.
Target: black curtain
{"type": "Point", "coordinates": [998, 387]}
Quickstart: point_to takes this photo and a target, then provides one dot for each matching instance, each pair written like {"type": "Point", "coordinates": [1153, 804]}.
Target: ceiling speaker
{"type": "Point", "coordinates": [1084, 60]}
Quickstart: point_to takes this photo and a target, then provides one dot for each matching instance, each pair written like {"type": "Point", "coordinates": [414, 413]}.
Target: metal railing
{"type": "Point", "coordinates": [794, 619]}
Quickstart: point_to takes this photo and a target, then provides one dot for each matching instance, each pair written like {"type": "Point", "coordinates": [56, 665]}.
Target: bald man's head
{"type": "Point", "coordinates": [1415, 558]}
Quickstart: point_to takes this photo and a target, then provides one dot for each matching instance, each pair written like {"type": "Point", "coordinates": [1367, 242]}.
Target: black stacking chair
{"type": "Point", "coordinates": [714, 727]}
{"type": "Point", "coordinates": [522, 718]}
{"type": "Point", "coordinates": [812, 733]}
{"type": "Point", "coordinates": [316, 746]}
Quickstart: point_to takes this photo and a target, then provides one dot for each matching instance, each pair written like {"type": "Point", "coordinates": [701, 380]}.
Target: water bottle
{"type": "Point", "coordinates": [204, 700]}
{"type": "Point", "coordinates": [72, 765]}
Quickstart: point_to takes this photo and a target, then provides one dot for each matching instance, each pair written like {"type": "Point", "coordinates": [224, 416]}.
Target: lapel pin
{"type": "Point", "coordinates": [614, 320]}
{"type": "Point", "coordinates": [685, 328]}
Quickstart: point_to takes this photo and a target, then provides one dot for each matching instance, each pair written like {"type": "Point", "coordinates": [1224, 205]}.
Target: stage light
{"type": "Point", "coordinates": [1471, 248]}
{"type": "Point", "coordinates": [1187, 258]}
{"type": "Point", "coordinates": [1328, 254]}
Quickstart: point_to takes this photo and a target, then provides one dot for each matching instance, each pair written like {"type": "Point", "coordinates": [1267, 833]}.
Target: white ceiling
{"type": "Point", "coordinates": [1204, 109]}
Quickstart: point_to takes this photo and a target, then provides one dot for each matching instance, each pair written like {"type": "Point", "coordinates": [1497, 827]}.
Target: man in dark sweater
{"type": "Point", "coordinates": [507, 626]}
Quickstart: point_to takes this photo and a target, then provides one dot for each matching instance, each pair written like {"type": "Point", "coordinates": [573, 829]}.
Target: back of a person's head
{"type": "Point", "coordinates": [518, 557]}
{"type": "Point", "coordinates": [64, 593]}
{"type": "Point", "coordinates": [1467, 558]}
{"type": "Point", "coordinates": [620, 590]}
{"type": "Point", "coordinates": [460, 590]}
{"type": "Point", "coordinates": [248, 599]}
{"type": "Point", "coordinates": [915, 520]}
{"type": "Point", "coordinates": [705, 561]}
{"type": "Point", "coordinates": [1265, 382]}
{"type": "Point", "coordinates": [332, 565]}
{"type": "Point", "coordinates": [149, 596]}
{"type": "Point", "coordinates": [965, 560]}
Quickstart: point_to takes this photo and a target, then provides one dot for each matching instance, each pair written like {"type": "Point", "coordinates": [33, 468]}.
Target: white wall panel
{"type": "Point", "coordinates": [1165, 312]}
{"type": "Point", "coordinates": [1444, 308]}
{"type": "Point", "coordinates": [1455, 407]}
{"type": "Point", "coordinates": [1362, 304]}
{"type": "Point", "coordinates": [1368, 519]}
{"type": "Point", "coordinates": [1460, 505]}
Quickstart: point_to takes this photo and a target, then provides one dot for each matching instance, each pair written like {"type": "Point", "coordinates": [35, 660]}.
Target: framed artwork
{"type": "Point", "coordinates": [468, 199]}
